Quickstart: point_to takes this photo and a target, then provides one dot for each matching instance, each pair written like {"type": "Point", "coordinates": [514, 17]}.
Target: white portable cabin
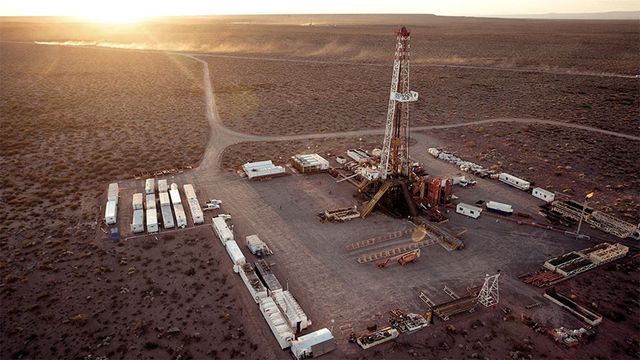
{"type": "Point", "coordinates": [236, 255]}
{"type": "Point", "coordinates": [189, 192]}
{"type": "Point", "coordinates": [261, 168]}
{"type": "Point", "coordinates": [175, 196]}
{"type": "Point", "coordinates": [136, 201]}
{"type": "Point", "coordinates": [152, 220]}
{"type": "Point", "coordinates": [112, 193]}
{"type": "Point", "coordinates": [313, 345]}
{"type": "Point", "coordinates": [151, 201]}
{"type": "Point", "coordinates": [196, 212]}
{"type": "Point", "coordinates": [276, 322]}
{"type": "Point", "coordinates": [292, 311]}
{"type": "Point", "coordinates": [514, 181]}
{"type": "Point", "coordinates": [221, 229]}
{"type": "Point", "coordinates": [162, 185]}
{"type": "Point", "coordinates": [181, 218]}
{"type": "Point", "coordinates": [500, 208]}
{"type": "Point", "coordinates": [468, 210]}
{"type": "Point", "coordinates": [137, 225]}
{"type": "Point", "coordinates": [110, 212]}
{"type": "Point", "coordinates": [543, 194]}
{"type": "Point", "coordinates": [149, 186]}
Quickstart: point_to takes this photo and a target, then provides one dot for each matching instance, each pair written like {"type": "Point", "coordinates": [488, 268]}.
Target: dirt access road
{"type": "Point", "coordinates": [220, 136]}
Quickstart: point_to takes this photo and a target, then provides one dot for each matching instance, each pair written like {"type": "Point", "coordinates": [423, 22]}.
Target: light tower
{"type": "Point", "coordinates": [489, 294]}
{"type": "Point", "coordinates": [392, 188]}
{"type": "Point", "coordinates": [394, 161]}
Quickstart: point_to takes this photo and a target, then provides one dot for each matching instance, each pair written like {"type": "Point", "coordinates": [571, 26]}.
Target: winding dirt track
{"type": "Point", "coordinates": [221, 136]}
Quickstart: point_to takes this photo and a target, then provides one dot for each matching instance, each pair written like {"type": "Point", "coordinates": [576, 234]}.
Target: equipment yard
{"type": "Point", "coordinates": [342, 239]}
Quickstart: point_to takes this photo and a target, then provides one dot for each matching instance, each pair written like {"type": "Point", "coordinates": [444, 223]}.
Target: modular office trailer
{"type": "Point", "coordinates": [162, 185]}
{"type": "Point", "coordinates": [149, 186]}
{"type": "Point", "coordinates": [500, 208]}
{"type": "Point", "coordinates": [514, 181]}
{"type": "Point", "coordinates": [468, 210]}
{"type": "Point", "coordinates": [543, 194]}
{"type": "Point", "coordinates": [111, 212]}
{"type": "Point", "coordinates": [221, 229]}
{"type": "Point", "coordinates": [137, 225]}
{"type": "Point", "coordinates": [165, 207]}
{"type": "Point", "coordinates": [152, 220]}
{"type": "Point", "coordinates": [112, 193]}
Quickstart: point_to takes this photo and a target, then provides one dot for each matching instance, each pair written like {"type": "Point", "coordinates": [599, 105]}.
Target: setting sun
{"type": "Point", "coordinates": [118, 11]}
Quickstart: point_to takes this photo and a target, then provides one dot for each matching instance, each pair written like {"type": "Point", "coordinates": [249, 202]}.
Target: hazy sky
{"type": "Point", "coordinates": [138, 8]}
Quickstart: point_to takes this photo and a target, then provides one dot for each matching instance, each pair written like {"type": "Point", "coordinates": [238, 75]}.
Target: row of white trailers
{"type": "Point", "coordinates": [279, 308]}
{"type": "Point", "coordinates": [170, 199]}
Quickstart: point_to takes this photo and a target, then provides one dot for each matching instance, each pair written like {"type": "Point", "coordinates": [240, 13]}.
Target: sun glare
{"type": "Point", "coordinates": [118, 12]}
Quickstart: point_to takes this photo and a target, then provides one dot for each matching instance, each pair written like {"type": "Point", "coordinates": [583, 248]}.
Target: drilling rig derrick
{"type": "Point", "coordinates": [392, 188]}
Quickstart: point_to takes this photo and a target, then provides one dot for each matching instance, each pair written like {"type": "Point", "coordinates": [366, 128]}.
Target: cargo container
{"type": "Point", "coordinates": [196, 211]}
{"type": "Point", "coordinates": [543, 194]}
{"type": "Point", "coordinates": [112, 193]}
{"type": "Point", "coordinates": [313, 345]}
{"type": "Point", "coordinates": [500, 208]}
{"type": "Point", "coordinates": [167, 216]}
{"type": "Point", "coordinates": [110, 212]}
{"type": "Point", "coordinates": [137, 225]}
{"type": "Point", "coordinates": [276, 322]}
{"type": "Point", "coordinates": [181, 218]}
{"type": "Point", "coordinates": [152, 220]}
{"type": "Point", "coordinates": [175, 196]}
{"type": "Point", "coordinates": [151, 201]}
{"type": "Point", "coordinates": [189, 192]}
{"type": "Point", "coordinates": [164, 199]}
{"type": "Point", "coordinates": [293, 313]}
{"type": "Point", "coordinates": [162, 185]}
{"type": "Point", "coordinates": [514, 181]}
{"type": "Point", "coordinates": [149, 186]}
{"type": "Point", "coordinates": [237, 258]}
{"type": "Point", "coordinates": [137, 201]}
{"type": "Point", "coordinates": [253, 283]}
{"type": "Point", "coordinates": [221, 229]}
{"type": "Point", "coordinates": [468, 210]}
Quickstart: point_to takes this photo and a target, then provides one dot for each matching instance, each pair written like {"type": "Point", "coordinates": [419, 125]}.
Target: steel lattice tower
{"type": "Point", "coordinates": [489, 294]}
{"type": "Point", "coordinates": [394, 161]}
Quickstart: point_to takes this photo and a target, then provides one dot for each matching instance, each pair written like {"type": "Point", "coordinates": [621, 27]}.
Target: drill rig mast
{"type": "Point", "coordinates": [392, 188]}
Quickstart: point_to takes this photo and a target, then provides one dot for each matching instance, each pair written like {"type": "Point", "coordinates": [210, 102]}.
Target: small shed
{"type": "Point", "coordinates": [468, 210]}
{"type": "Point", "coordinates": [313, 345]}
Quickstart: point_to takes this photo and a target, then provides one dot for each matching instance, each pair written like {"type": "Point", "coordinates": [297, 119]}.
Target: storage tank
{"type": "Point", "coordinates": [162, 185]}
{"type": "Point", "coordinates": [110, 212]}
{"type": "Point", "coordinates": [112, 193]}
{"type": "Point", "coordinates": [189, 192]}
{"type": "Point", "coordinates": [137, 225]}
{"type": "Point", "coordinates": [137, 201]}
{"type": "Point", "coordinates": [151, 201]}
{"type": "Point", "coordinates": [152, 220]}
{"type": "Point", "coordinates": [149, 186]}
